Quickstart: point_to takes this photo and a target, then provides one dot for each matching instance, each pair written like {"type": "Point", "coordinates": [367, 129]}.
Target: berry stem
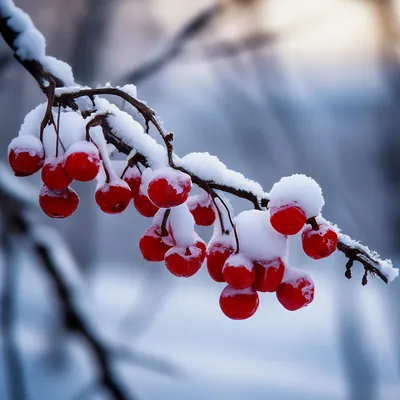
{"type": "Point", "coordinates": [314, 224]}
{"type": "Point", "coordinates": [164, 230]}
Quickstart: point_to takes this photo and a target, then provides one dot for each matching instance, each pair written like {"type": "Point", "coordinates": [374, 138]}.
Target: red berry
{"type": "Point", "coordinates": [319, 243]}
{"type": "Point", "coordinates": [25, 155]}
{"type": "Point", "coordinates": [238, 304]}
{"type": "Point", "coordinates": [217, 254]}
{"type": "Point", "coordinates": [202, 211]}
{"type": "Point", "coordinates": [185, 262]}
{"type": "Point", "coordinates": [154, 246]}
{"type": "Point", "coordinates": [58, 203]}
{"type": "Point", "coordinates": [144, 206]}
{"type": "Point", "coordinates": [133, 178]}
{"type": "Point", "coordinates": [54, 175]}
{"type": "Point", "coordinates": [288, 220]}
{"type": "Point", "coordinates": [82, 161]}
{"type": "Point", "coordinates": [239, 272]}
{"type": "Point", "coordinates": [170, 189]}
{"type": "Point", "coordinates": [113, 197]}
{"type": "Point", "coordinates": [269, 275]}
{"type": "Point", "coordinates": [296, 291]}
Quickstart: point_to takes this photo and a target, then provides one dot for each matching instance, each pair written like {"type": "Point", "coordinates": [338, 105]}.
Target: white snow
{"type": "Point", "coordinates": [32, 121]}
{"type": "Point", "coordinates": [83, 147]}
{"type": "Point", "coordinates": [132, 133]}
{"type": "Point", "coordinates": [257, 239]}
{"type": "Point", "coordinates": [298, 189]}
{"type": "Point", "coordinates": [26, 143]}
{"type": "Point", "coordinates": [210, 168]}
{"type": "Point", "coordinates": [182, 224]}
{"type": "Point", "coordinates": [129, 89]}
{"type": "Point", "coordinates": [58, 68]}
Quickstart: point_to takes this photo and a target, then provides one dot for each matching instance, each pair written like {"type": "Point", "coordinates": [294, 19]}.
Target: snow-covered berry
{"type": "Point", "coordinates": [296, 290]}
{"type": "Point", "coordinates": [58, 203]}
{"type": "Point", "coordinates": [288, 220]}
{"type": "Point", "coordinates": [54, 175]}
{"type": "Point", "coordinates": [238, 272]}
{"type": "Point", "coordinates": [153, 245]}
{"type": "Point", "coordinates": [269, 275]}
{"type": "Point", "coordinates": [202, 209]}
{"type": "Point", "coordinates": [217, 254]}
{"type": "Point", "coordinates": [113, 197]}
{"type": "Point", "coordinates": [185, 262]}
{"type": "Point", "coordinates": [319, 243]}
{"type": "Point", "coordinates": [25, 155]}
{"type": "Point", "coordinates": [169, 188]}
{"type": "Point", "coordinates": [82, 161]}
{"type": "Point", "coordinates": [144, 206]}
{"type": "Point", "coordinates": [238, 303]}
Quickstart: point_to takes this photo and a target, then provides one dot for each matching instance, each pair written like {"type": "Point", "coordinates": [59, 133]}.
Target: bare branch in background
{"type": "Point", "coordinates": [173, 47]}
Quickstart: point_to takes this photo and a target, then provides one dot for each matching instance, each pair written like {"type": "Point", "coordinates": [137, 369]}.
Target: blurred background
{"type": "Point", "coordinates": [272, 87]}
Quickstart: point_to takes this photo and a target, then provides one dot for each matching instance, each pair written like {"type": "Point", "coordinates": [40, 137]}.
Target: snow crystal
{"type": "Point", "coordinates": [182, 224]}
{"type": "Point", "coordinates": [24, 143]}
{"type": "Point", "coordinates": [298, 189]}
{"type": "Point", "coordinates": [210, 168]}
{"type": "Point", "coordinates": [257, 239]}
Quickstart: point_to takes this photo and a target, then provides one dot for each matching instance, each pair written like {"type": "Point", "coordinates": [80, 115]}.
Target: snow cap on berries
{"type": "Point", "coordinates": [298, 190]}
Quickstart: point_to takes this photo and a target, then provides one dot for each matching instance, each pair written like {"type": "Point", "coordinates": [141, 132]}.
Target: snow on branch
{"type": "Point", "coordinates": [158, 179]}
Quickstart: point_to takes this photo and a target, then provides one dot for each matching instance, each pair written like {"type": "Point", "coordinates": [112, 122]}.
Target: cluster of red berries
{"type": "Point", "coordinates": [164, 194]}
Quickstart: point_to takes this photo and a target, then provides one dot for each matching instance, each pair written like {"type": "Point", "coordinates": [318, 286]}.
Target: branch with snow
{"type": "Point", "coordinates": [83, 113]}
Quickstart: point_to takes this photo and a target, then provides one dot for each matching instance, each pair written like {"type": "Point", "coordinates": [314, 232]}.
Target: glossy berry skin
{"type": "Point", "coordinates": [296, 293]}
{"type": "Point", "coordinates": [319, 243]}
{"type": "Point", "coordinates": [185, 262]}
{"type": "Point", "coordinates": [54, 175]}
{"type": "Point", "coordinates": [113, 197]}
{"type": "Point", "coordinates": [58, 203]}
{"type": "Point", "coordinates": [238, 272]}
{"type": "Point", "coordinates": [238, 304]}
{"type": "Point", "coordinates": [203, 215]}
{"type": "Point", "coordinates": [133, 178]}
{"type": "Point", "coordinates": [167, 192]}
{"type": "Point", "coordinates": [25, 161]}
{"type": "Point", "coordinates": [269, 275]}
{"type": "Point", "coordinates": [288, 220]}
{"type": "Point", "coordinates": [82, 162]}
{"type": "Point", "coordinates": [153, 246]}
{"type": "Point", "coordinates": [144, 206]}
{"type": "Point", "coordinates": [217, 254]}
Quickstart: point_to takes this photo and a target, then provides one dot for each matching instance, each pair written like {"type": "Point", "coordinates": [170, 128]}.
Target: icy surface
{"type": "Point", "coordinates": [298, 189]}
{"type": "Point", "coordinates": [257, 239]}
{"type": "Point", "coordinates": [210, 168]}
